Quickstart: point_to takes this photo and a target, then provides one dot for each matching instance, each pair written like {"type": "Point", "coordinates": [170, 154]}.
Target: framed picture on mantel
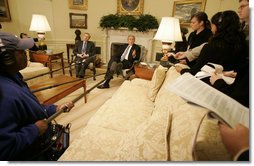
{"type": "Point", "coordinates": [130, 7]}
{"type": "Point", "coordinates": [185, 9]}
{"type": "Point", "coordinates": [4, 11]}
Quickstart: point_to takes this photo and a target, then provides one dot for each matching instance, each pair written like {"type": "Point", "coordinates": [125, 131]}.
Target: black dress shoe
{"type": "Point", "coordinates": [103, 86]}
{"type": "Point", "coordinates": [80, 76]}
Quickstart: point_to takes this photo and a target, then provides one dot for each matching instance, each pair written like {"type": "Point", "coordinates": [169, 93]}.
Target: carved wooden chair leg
{"type": "Point", "coordinates": [70, 69]}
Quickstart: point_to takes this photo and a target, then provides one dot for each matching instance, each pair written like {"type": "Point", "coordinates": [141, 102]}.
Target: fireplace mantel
{"type": "Point", "coordinates": [120, 35]}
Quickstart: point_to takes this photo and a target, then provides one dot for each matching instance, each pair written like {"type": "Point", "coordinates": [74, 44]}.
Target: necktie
{"type": "Point", "coordinates": [125, 53]}
{"type": "Point", "coordinates": [84, 47]}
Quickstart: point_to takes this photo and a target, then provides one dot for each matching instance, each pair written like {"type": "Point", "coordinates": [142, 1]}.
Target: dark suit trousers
{"type": "Point", "coordinates": [116, 67]}
{"type": "Point", "coordinates": [82, 66]}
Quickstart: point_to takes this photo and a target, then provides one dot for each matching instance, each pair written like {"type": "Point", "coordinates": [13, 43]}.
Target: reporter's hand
{"type": "Point", "coordinates": [234, 139]}
{"type": "Point", "coordinates": [69, 106]}
{"type": "Point", "coordinates": [214, 78]}
{"type": "Point", "coordinates": [179, 55]}
{"type": "Point", "coordinates": [164, 58]}
{"type": "Point", "coordinates": [230, 74]}
{"type": "Point", "coordinates": [178, 69]}
{"type": "Point", "coordinates": [42, 126]}
{"type": "Point", "coordinates": [183, 61]}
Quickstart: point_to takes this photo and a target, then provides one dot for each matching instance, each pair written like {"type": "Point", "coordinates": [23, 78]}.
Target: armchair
{"type": "Point", "coordinates": [126, 73]}
{"type": "Point", "coordinates": [92, 66]}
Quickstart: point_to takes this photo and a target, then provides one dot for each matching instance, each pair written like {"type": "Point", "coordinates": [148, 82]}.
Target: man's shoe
{"type": "Point", "coordinates": [79, 76]}
{"type": "Point", "coordinates": [103, 86]}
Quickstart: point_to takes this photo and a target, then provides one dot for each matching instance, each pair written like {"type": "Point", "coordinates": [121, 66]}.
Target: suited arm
{"type": "Point", "coordinates": [136, 56]}
{"type": "Point", "coordinates": [91, 51]}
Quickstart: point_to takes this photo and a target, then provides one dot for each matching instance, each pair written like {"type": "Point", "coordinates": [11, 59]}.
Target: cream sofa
{"type": "Point", "coordinates": [33, 69]}
{"type": "Point", "coordinates": [143, 121]}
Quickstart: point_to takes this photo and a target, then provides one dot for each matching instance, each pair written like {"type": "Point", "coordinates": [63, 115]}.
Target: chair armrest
{"type": "Point", "coordinates": [72, 59]}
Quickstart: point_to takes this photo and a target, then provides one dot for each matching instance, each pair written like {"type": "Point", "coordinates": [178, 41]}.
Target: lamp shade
{"type": "Point", "coordinates": [39, 23]}
{"type": "Point", "coordinates": [169, 30]}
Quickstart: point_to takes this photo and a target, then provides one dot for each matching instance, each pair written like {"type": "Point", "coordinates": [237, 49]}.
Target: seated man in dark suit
{"type": "Point", "coordinates": [124, 60]}
{"type": "Point", "coordinates": [84, 52]}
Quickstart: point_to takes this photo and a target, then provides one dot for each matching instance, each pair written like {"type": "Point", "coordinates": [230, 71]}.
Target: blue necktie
{"type": "Point", "coordinates": [84, 47]}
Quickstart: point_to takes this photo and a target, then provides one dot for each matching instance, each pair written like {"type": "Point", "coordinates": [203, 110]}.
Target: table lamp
{"type": "Point", "coordinates": [40, 25]}
{"type": "Point", "coordinates": [168, 32]}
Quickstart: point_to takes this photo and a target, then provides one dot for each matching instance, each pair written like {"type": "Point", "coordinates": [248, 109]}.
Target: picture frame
{"type": "Point", "coordinates": [4, 11]}
{"type": "Point", "coordinates": [78, 20]}
{"type": "Point", "coordinates": [130, 7]}
{"type": "Point", "coordinates": [183, 10]}
{"type": "Point", "coordinates": [78, 4]}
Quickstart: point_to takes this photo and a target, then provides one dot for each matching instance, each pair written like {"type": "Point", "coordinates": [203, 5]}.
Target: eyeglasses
{"type": "Point", "coordinates": [243, 6]}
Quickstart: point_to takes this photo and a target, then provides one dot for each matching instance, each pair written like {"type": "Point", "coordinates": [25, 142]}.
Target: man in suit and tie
{"type": "Point", "coordinates": [128, 53]}
{"type": "Point", "coordinates": [84, 52]}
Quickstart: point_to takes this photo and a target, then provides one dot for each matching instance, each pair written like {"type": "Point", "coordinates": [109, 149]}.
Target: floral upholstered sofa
{"type": "Point", "coordinates": [33, 69]}
{"type": "Point", "coordinates": [143, 121]}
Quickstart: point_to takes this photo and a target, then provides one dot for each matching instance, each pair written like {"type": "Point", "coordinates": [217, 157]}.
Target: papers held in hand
{"type": "Point", "coordinates": [221, 106]}
{"type": "Point", "coordinates": [210, 68]}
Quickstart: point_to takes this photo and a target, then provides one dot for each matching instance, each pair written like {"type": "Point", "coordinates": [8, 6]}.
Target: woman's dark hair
{"type": "Point", "coordinates": [226, 21]}
{"type": "Point", "coordinates": [22, 34]}
{"type": "Point", "coordinates": [228, 28]}
{"type": "Point", "coordinates": [202, 16]}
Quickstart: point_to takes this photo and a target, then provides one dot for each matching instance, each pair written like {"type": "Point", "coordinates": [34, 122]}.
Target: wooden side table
{"type": "Point", "coordinates": [46, 59]}
{"type": "Point", "coordinates": [143, 71]}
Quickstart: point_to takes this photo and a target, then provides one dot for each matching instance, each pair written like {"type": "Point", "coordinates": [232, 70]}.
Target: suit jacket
{"type": "Point", "coordinates": [90, 49]}
{"type": "Point", "coordinates": [131, 59]}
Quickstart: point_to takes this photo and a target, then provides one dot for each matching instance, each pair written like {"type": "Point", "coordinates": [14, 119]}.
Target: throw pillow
{"type": "Point", "coordinates": [156, 82]}
{"type": "Point", "coordinates": [148, 142]}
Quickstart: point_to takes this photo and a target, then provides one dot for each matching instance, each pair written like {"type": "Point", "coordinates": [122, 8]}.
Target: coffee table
{"type": "Point", "coordinates": [50, 96]}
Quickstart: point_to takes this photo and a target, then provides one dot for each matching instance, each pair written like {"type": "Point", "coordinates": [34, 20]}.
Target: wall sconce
{"type": "Point", "coordinates": [39, 24]}
{"type": "Point", "coordinates": [168, 32]}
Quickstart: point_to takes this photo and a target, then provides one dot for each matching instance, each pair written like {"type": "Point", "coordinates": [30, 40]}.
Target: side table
{"type": "Point", "coordinates": [144, 71]}
{"type": "Point", "coordinates": [46, 59]}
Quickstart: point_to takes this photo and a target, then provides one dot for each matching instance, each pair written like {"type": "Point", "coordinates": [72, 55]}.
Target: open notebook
{"type": "Point", "coordinates": [210, 68]}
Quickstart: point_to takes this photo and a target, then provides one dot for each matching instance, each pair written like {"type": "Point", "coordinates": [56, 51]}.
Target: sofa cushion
{"type": "Point", "coordinates": [208, 144]}
{"type": "Point", "coordinates": [156, 82]}
{"type": "Point", "coordinates": [141, 82]}
{"type": "Point", "coordinates": [184, 126]}
{"type": "Point", "coordinates": [163, 94]}
{"type": "Point", "coordinates": [166, 98]}
{"type": "Point", "coordinates": [148, 142]}
{"type": "Point", "coordinates": [94, 144]}
{"type": "Point", "coordinates": [34, 70]}
{"type": "Point", "coordinates": [127, 108]}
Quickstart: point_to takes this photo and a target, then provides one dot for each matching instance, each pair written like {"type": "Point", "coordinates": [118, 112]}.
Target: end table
{"type": "Point", "coordinates": [46, 59]}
